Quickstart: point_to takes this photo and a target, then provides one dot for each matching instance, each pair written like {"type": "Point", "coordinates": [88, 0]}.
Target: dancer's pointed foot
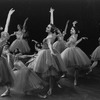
{"type": "Point", "coordinates": [75, 82]}
{"type": "Point", "coordinates": [63, 75]}
{"type": "Point", "coordinates": [6, 93]}
{"type": "Point", "coordinates": [90, 70]}
{"type": "Point", "coordinates": [59, 86]}
{"type": "Point", "coordinates": [49, 92]}
{"type": "Point", "coordinates": [42, 96]}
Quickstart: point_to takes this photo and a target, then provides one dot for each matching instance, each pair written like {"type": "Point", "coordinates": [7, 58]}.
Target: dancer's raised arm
{"type": "Point", "coordinates": [11, 11]}
{"type": "Point", "coordinates": [66, 27]}
{"type": "Point", "coordinates": [24, 25]}
{"type": "Point", "coordinates": [51, 16]}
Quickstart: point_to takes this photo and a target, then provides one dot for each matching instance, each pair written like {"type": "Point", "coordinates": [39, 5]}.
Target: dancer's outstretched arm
{"type": "Point", "coordinates": [25, 56]}
{"type": "Point", "coordinates": [11, 11]}
{"type": "Point", "coordinates": [24, 25]}
{"type": "Point", "coordinates": [66, 27]}
{"type": "Point", "coordinates": [78, 41]}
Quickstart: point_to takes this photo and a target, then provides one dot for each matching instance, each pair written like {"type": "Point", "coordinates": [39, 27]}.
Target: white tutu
{"type": "Point", "coordinates": [20, 44]}
{"type": "Point", "coordinates": [59, 46]}
{"type": "Point", "coordinates": [45, 60]}
{"type": "Point", "coordinates": [26, 80]}
{"type": "Point", "coordinates": [6, 73]}
{"type": "Point", "coordinates": [75, 57]}
{"type": "Point", "coordinates": [96, 54]}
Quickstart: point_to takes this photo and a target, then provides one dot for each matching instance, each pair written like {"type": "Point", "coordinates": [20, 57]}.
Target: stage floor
{"type": "Point", "coordinates": [88, 89]}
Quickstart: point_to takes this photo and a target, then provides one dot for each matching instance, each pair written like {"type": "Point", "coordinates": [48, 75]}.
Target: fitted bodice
{"type": "Point", "coordinates": [19, 34]}
{"type": "Point", "coordinates": [72, 40]}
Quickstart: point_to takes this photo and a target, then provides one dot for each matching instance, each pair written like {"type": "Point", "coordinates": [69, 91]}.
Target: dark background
{"type": "Point", "coordinates": [86, 12]}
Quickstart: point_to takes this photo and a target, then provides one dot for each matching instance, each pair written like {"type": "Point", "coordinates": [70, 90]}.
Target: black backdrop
{"type": "Point", "coordinates": [86, 12]}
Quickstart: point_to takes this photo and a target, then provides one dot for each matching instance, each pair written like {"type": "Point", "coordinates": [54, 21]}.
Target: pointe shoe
{"type": "Point", "coordinates": [49, 92]}
{"type": "Point", "coordinates": [59, 86]}
{"type": "Point", "coordinates": [44, 96]}
{"type": "Point", "coordinates": [6, 93]}
{"type": "Point", "coordinates": [89, 71]}
{"type": "Point", "coordinates": [75, 83]}
{"type": "Point", "coordinates": [63, 76]}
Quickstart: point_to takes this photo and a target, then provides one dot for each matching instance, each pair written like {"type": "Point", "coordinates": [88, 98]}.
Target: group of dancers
{"type": "Point", "coordinates": [40, 72]}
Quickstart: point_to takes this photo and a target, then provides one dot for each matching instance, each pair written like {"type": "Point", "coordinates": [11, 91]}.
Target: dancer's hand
{"type": "Point", "coordinates": [11, 11]}
{"type": "Point", "coordinates": [26, 19]}
{"type": "Point", "coordinates": [74, 23]}
{"type": "Point", "coordinates": [68, 21]}
{"type": "Point", "coordinates": [52, 53]}
{"type": "Point", "coordinates": [34, 41]}
{"type": "Point", "coordinates": [84, 38]}
{"type": "Point", "coordinates": [51, 9]}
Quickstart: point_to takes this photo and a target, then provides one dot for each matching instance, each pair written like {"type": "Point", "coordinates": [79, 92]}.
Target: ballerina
{"type": "Point", "coordinates": [95, 58]}
{"type": "Point", "coordinates": [59, 45]}
{"type": "Point", "coordinates": [73, 56]}
{"type": "Point", "coordinates": [7, 75]}
{"type": "Point", "coordinates": [48, 63]}
{"type": "Point", "coordinates": [23, 80]}
{"type": "Point", "coordinates": [26, 80]}
{"type": "Point", "coordinates": [20, 43]}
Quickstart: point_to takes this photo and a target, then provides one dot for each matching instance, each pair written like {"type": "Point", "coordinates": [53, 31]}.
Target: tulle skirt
{"type": "Point", "coordinates": [59, 46]}
{"type": "Point", "coordinates": [48, 64]}
{"type": "Point", "coordinates": [26, 80]}
{"type": "Point", "coordinates": [20, 44]}
{"type": "Point", "coordinates": [96, 54]}
{"type": "Point", "coordinates": [6, 73]}
{"type": "Point", "coordinates": [75, 57]}
{"type": "Point", "coordinates": [18, 65]}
